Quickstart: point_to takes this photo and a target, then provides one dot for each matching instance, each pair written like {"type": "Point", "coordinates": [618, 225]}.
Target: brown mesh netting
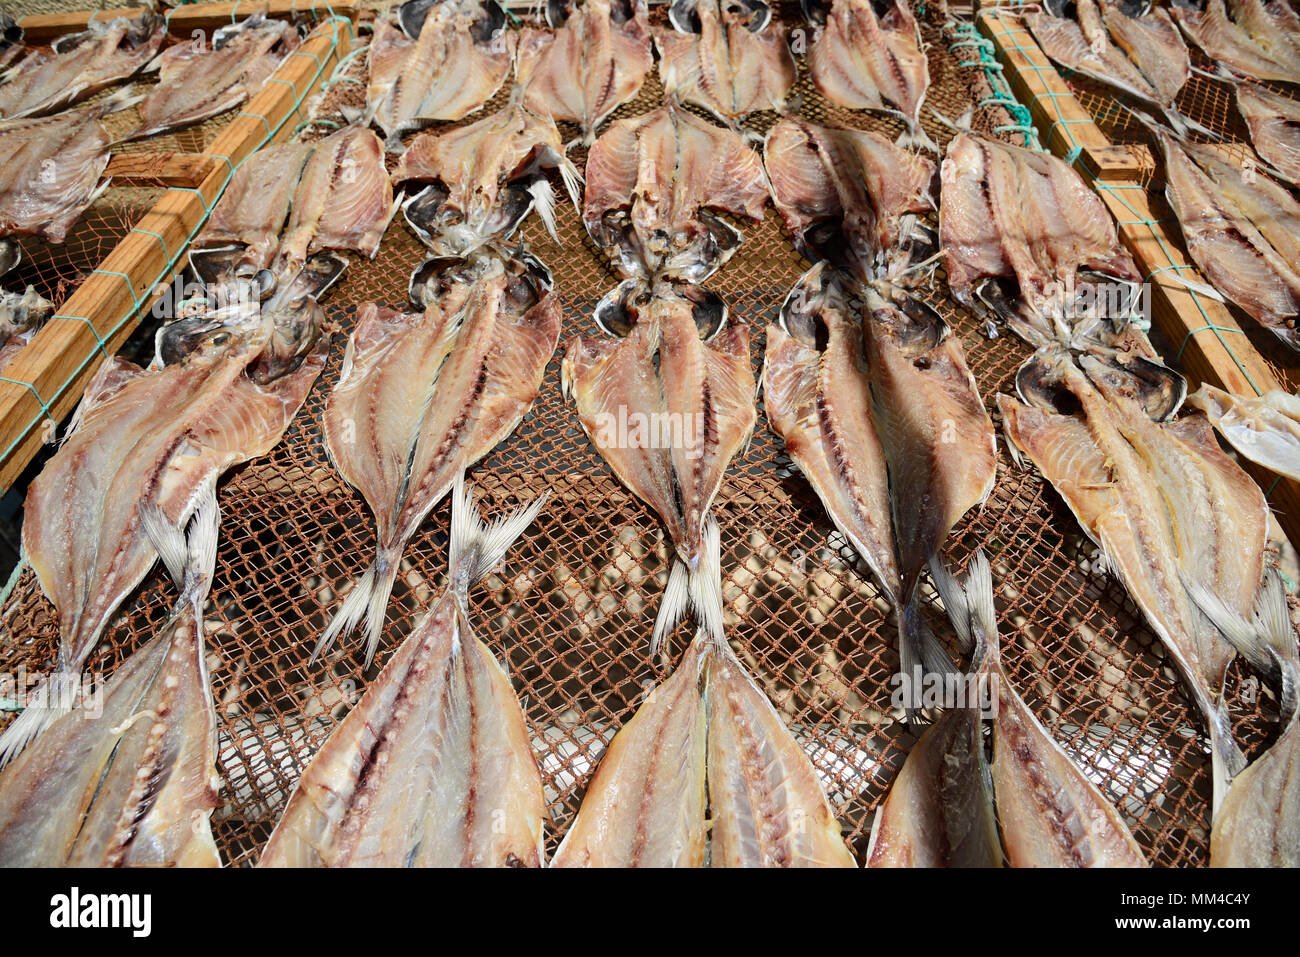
{"type": "Point", "coordinates": [571, 611]}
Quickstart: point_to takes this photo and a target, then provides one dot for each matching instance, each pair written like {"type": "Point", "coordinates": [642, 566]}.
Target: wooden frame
{"type": "Point", "coordinates": [59, 361]}
{"type": "Point", "coordinates": [1213, 347]}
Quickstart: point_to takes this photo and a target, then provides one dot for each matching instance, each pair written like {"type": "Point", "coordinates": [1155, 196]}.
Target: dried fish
{"type": "Point", "coordinates": [1265, 429]}
{"type": "Point", "coordinates": [136, 784]}
{"type": "Point", "coordinates": [11, 39]}
{"type": "Point", "coordinates": [435, 60]}
{"type": "Point", "coordinates": [1261, 41]}
{"type": "Point", "coordinates": [593, 61]}
{"type": "Point", "coordinates": [477, 183]}
{"type": "Point", "coordinates": [851, 197]}
{"type": "Point", "coordinates": [654, 187]}
{"type": "Point", "coordinates": [434, 766]}
{"type": "Point", "coordinates": [21, 316]}
{"type": "Point", "coordinates": [196, 82]}
{"type": "Point", "coordinates": [222, 389]}
{"type": "Point", "coordinates": [720, 56]}
{"type": "Point", "coordinates": [1274, 123]}
{"type": "Point", "coordinates": [423, 396]}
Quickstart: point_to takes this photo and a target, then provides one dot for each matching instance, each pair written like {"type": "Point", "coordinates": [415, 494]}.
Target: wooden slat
{"type": "Point", "coordinates": [1061, 120]}
{"type": "Point", "coordinates": [169, 169]}
{"type": "Point", "coordinates": [184, 19]}
{"type": "Point", "coordinates": [55, 361]}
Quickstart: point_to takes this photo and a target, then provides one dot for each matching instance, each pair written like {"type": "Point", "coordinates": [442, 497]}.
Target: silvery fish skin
{"type": "Point", "coordinates": [50, 170]}
{"type": "Point", "coordinates": [196, 82]}
{"type": "Point", "coordinates": [444, 69]}
{"type": "Point", "coordinates": [665, 371]}
{"type": "Point", "coordinates": [1024, 218]}
{"type": "Point", "coordinates": [423, 396]}
{"type": "Point", "coordinates": [79, 64]}
{"type": "Point", "coordinates": [434, 766]}
{"type": "Point", "coordinates": [1261, 41]}
{"type": "Point", "coordinates": [1265, 429]}
{"type": "Point", "coordinates": [725, 66]}
{"type": "Point", "coordinates": [868, 62]}
{"type": "Point", "coordinates": [136, 784]}
{"type": "Point", "coordinates": [654, 183]}
{"type": "Point", "coordinates": [1244, 236]}
{"type": "Point", "coordinates": [11, 39]}
{"type": "Point", "coordinates": [1274, 123]}
{"type": "Point", "coordinates": [1164, 504]}
{"type": "Point", "coordinates": [476, 183]}
{"type": "Point", "coordinates": [221, 391]}
{"type": "Point", "coordinates": [849, 196]}
{"type": "Point", "coordinates": [588, 66]}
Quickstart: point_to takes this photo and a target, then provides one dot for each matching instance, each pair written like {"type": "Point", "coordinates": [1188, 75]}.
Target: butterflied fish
{"type": "Point", "coordinates": [196, 82]}
{"type": "Point", "coordinates": [654, 187]}
{"type": "Point", "coordinates": [667, 405]}
{"type": "Point", "coordinates": [436, 60]}
{"type": "Point", "coordinates": [434, 766]}
{"type": "Point", "coordinates": [423, 396]}
{"type": "Point", "coordinates": [1258, 824]}
{"type": "Point", "coordinates": [1143, 57]}
{"type": "Point", "coordinates": [21, 315]}
{"type": "Point", "coordinates": [50, 169]}
{"type": "Point", "coordinates": [937, 438]}
{"type": "Point", "coordinates": [705, 742]}
{"type": "Point", "coordinates": [1274, 123]}
{"type": "Point", "coordinates": [78, 64]}
{"type": "Point", "coordinates": [289, 202]}
{"type": "Point", "coordinates": [1050, 814]}
{"type": "Point", "coordinates": [868, 61]}
{"type": "Point", "coordinates": [1265, 429]}
{"type": "Point", "coordinates": [1244, 236]}
{"type": "Point", "coordinates": [851, 197]}
{"type": "Point", "coordinates": [136, 784]}
{"type": "Point", "coordinates": [482, 179]}
{"type": "Point", "coordinates": [222, 389]}
{"type": "Point", "coordinates": [1261, 41]}
{"type": "Point", "coordinates": [1161, 501]}
{"type": "Point", "coordinates": [723, 58]}
{"type": "Point", "coordinates": [1025, 239]}
{"type": "Point", "coordinates": [593, 61]}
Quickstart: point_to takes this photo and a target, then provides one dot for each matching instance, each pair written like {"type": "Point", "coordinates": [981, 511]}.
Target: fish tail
{"type": "Point", "coordinates": [696, 588]}
{"type": "Point", "coordinates": [39, 714]}
{"type": "Point", "coordinates": [369, 600]}
{"type": "Point", "coordinates": [190, 560]}
{"type": "Point", "coordinates": [477, 547]}
{"type": "Point", "coordinates": [544, 202]}
{"type": "Point", "coordinates": [1226, 759]}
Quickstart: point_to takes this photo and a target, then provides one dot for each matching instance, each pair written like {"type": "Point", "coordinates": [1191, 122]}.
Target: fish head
{"type": "Point", "coordinates": [11, 254]}
{"type": "Point", "coordinates": [618, 310]}
{"type": "Point", "coordinates": [1001, 299]}
{"type": "Point", "coordinates": [432, 278]}
{"type": "Point", "coordinates": [907, 324]}
{"type": "Point", "coordinates": [708, 310]}
{"type": "Point", "coordinates": [216, 264]}
{"type": "Point", "coordinates": [1155, 387]}
{"type": "Point", "coordinates": [489, 23]}
{"type": "Point", "coordinates": [1130, 8]}
{"type": "Point", "coordinates": [1042, 381]}
{"type": "Point", "coordinates": [802, 313]}
{"type": "Point", "coordinates": [815, 12]}
{"type": "Point", "coordinates": [294, 328]}
{"type": "Point", "coordinates": [204, 339]}
{"type": "Point", "coordinates": [684, 15]}
{"type": "Point", "coordinates": [528, 281]}
{"type": "Point", "coordinates": [411, 16]}
{"type": "Point", "coordinates": [558, 13]}
{"type": "Point", "coordinates": [20, 312]}
{"type": "Point", "coordinates": [1062, 9]}
{"type": "Point", "coordinates": [754, 15]}
{"type": "Point", "coordinates": [10, 31]}
{"type": "Point", "coordinates": [695, 250]}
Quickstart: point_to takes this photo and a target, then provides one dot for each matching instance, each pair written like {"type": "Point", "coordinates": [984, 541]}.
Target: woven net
{"type": "Point", "coordinates": [571, 611]}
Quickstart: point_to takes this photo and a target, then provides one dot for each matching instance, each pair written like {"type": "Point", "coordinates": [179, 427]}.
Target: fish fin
{"type": "Point", "coordinates": [699, 590]}
{"type": "Point", "coordinates": [369, 600]}
{"type": "Point", "coordinates": [544, 202]}
{"type": "Point", "coordinates": [916, 139]}
{"type": "Point", "coordinates": [955, 602]}
{"type": "Point", "coordinates": [572, 182]}
{"type": "Point", "coordinates": [1239, 632]}
{"type": "Point", "coordinates": [1273, 624]}
{"type": "Point", "coordinates": [354, 115]}
{"type": "Point", "coordinates": [121, 100]}
{"type": "Point", "coordinates": [190, 557]}
{"type": "Point", "coordinates": [477, 547]}
{"type": "Point", "coordinates": [673, 606]}
{"type": "Point", "coordinates": [983, 616]}
{"type": "Point", "coordinates": [167, 539]}
{"type": "Point", "coordinates": [35, 718]}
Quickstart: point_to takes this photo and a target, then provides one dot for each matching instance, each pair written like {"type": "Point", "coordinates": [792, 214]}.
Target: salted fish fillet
{"type": "Point", "coordinates": [653, 185]}
{"type": "Point", "coordinates": [705, 772]}
{"type": "Point", "coordinates": [50, 170]}
{"type": "Point", "coordinates": [196, 82]}
{"type": "Point", "coordinates": [1265, 429]}
{"type": "Point", "coordinates": [1019, 214]}
{"type": "Point", "coordinates": [1245, 237]}
{"type": "Point", "coordinates": [478, 174]}
{"type": "Point", "coordinates": [422, 397]}
{"type": "Point", "coordinates": [1274, 123]}
{"type": "Point", "coordinates": [163, 434]}
{"type": "Point", "coordinates": [726, 68]}
{"type": "Point", "coordinates": [659, 374]}
{"type": "Point", "coordinates": [136, 784]}
{"type": "Point", "coordinates": [1120, 502]}
{"type": "Point", "coordinates": [444, 73]}
{"type": "Point", "coordinates": [857, 184]}
{"type": "Point", "coordinates": [80, 64]}
{"type": "Point", "coordinates": [587, 68]}
{"type": "Point", "coordinates": [434, 767]}
{"type": "Point", "coordinates": [865, 62]}
{"type": "Point", "coordinates": [1153, 44]}
{"type": "Point", "coordinates": [1260, 42]}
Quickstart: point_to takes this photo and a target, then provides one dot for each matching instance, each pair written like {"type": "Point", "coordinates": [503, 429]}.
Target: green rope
{"type": "Point", "coordinates": [986, 59]}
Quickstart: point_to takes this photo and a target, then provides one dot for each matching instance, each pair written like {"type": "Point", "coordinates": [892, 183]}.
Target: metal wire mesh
{"type": "Point", "coordinates": [571, 611]}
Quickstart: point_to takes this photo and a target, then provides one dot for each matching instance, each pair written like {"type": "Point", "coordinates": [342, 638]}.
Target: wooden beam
{"type": "Point", "coordinates": [62, 357]}
{"type": "Point", "coordinates": [169, 169]}
{"type": "Point", "coordinates": [184, 19]}
{"type": "Point", "coordinates": [1062, 122]}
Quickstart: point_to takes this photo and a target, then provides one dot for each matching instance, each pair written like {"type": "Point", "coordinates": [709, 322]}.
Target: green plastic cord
{"type": "Point", "coordinates": [986, 59]}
